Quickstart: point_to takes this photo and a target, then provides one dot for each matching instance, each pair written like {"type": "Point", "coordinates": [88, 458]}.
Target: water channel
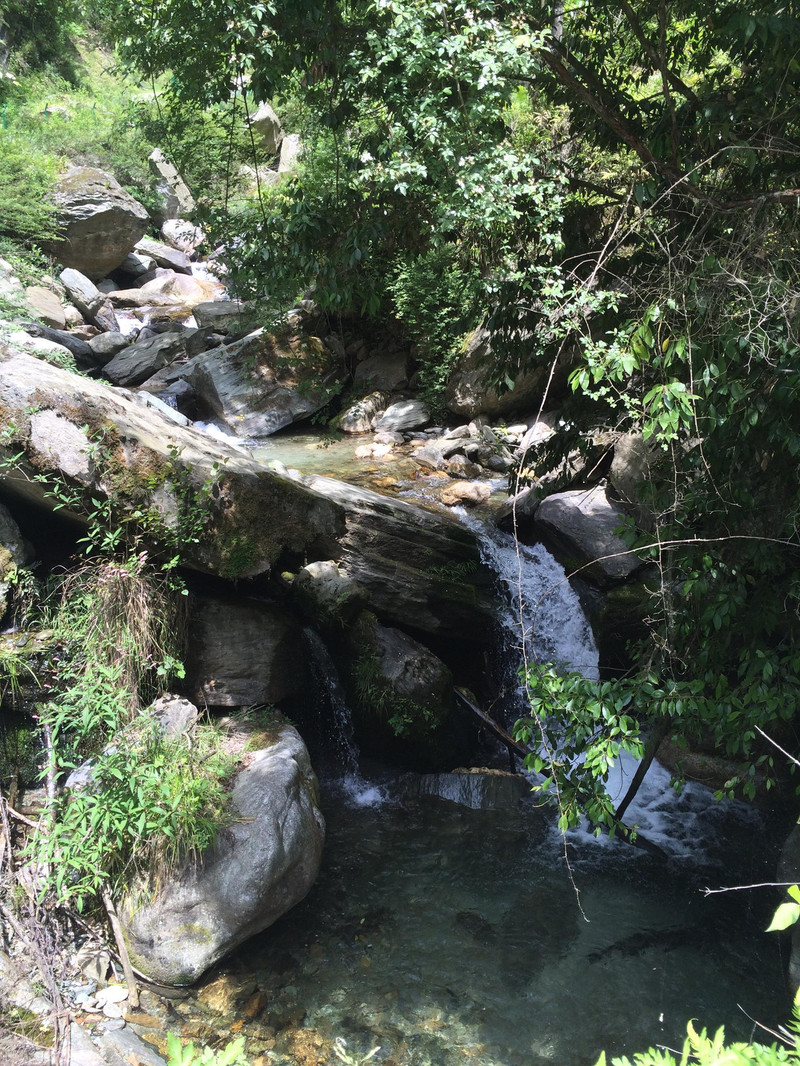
{"type": "Point", "coordinates": [444, 935]}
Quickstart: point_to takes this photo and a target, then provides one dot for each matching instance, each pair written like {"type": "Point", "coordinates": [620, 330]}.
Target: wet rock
{"type": "Point", "coordinates": [478, 789]}
{"type": "Point", "coordinates": [139, 361]}
{"type": "Point", "coordinates": [263, 864]}
{"type": "Point", "coordinates": [470, 493]}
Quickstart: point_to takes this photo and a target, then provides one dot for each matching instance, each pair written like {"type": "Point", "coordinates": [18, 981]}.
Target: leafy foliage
{"type": "Point", "coordinates": [707, 1050]}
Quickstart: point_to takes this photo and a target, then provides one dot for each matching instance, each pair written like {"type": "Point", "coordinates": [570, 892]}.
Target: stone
{"type": "Point", "coordinates": [99, 222]}
{"type": "Point", "coordinates": [267, 128]}
{"type": "Point", "coordinates": [173, 192]}
{"type": "Point", "coordinates": [53, 340]}
{"type": "Point", "coordinates": [291, 150]}
{"type": "Point", "coordinates": [225, 315]}
{"type": "Point", "coordinates": [183, 235]}
{"type": "Point", "coordinates": [135, 265]}
{"type": "Point", "coordinates": [469, 390]}
{"type": "Point", "coordinates": [362, 416]}
{"type": "Point", "coordinates": [82, 292]}
{"type": "Point", "coordinates": [265, 862]}
{"type": "Point", "coordinates": [386, 373]}
{"type": "Point", "coordinates": [141, 360]}
{"type": "Point", "coordinates": [257, 385]}
{"type": "Point", "coordinates": [176, 715]}
{"type": "Point", "coordinates": [630, 473]}
{"type": "Point", "coordinates": [465, 492]}
{"type": "Point", "coordinates": [330, 599]}
{"type": "Point", "coordinates": [183, 288]}
{"type": "Point", "coordinates": [404, 415]}
{"type": "Point", "coordinates": [105, 319]}
{"type": "Point", "coordinates": [164, 255]}
{"type": "Point", "coordinates": [146, 463]}
{"type": "Point", "coordinates": [580, 527]}
{"type": "Point", "coordinates": [241, 653]}
{"type": "Point", "coordinates": [46, 306]}
{"type": "Point", "coordinates": [478, 789]}
{"type": "Point", "coordinates": [106, 345]}
{"type": "Point", "coordinates": [13, 553]}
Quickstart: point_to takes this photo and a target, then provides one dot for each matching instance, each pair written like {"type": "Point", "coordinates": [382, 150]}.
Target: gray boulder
{"type": "Point", "coordinates": [388, 373]}
{"type": "Point", "coordinates": [98, 221]}
{"type": "Point", "coordinates": [241, 653]}
{"type": "Point", "coordinates": [183, 235]}
{"type": "Point", "coordinates": [363, 415]}
{"type": "Point", "coordinates": [262, 865]}
{"type": "Point", "coordinates": [139, 361]}
{"type": "Point", "coordinates": [580, 528]}
{"type": "Point", "coordinates": [256, 385]}
{"type": "Point", "coordinates": [46, 305]}
{"type": "Point", "coordinates": [267, 128]}
{"type": "Point", "coordinates": [242, 516]}
{"type": "Point", "coordinates": [164, 255]}
{"type": "Point", "coordinates": [106, 345]}
{"type": "Point", "coordinates": [172, 190]}
{"type": "Point", "coordinates": [224, 315]}
{"type": "Point", "coordinates": [406, 414]}
{"type": "Point", "coordinates": [291, 150]}
{"type": "Point", "coordinates": [82, 291]}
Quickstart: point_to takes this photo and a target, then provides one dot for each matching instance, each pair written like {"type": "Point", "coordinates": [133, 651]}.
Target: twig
{"type": "Point", "coordinates": [116, 929]}
{"type": "Point", "coordinates": [744, 888]}
{"type": "Point", "coordinates": [775, 744]}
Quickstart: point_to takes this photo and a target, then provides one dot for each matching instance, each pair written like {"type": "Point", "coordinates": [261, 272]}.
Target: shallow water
{"type": "Point", "coordinates": [446, 935]}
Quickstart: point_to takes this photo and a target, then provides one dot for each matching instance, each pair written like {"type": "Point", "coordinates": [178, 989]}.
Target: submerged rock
{"type": "Point", "coordinates": [262, 865]}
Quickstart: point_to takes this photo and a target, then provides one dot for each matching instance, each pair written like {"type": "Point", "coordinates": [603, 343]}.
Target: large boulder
{"type": "Point", "coordinates": [241, 653]}
{"type": "Point", "coordinates": [470, 391]}
{"type": "Point", "coordinates": [139, 361]}
{"type": "Point", "coordinates": [405, 414]}
{"type": "Point", "coordinates": [262, 865]}
{"type": "Point", "coordinates": [164, 255]}
{"type": "Point", "coordinates": [99, 222]}
{"type": "Point", "coordinates": [362, 416]}
{"type": "Point", "coordinates": [225, 512]}
{"type": "Point", "coordinates": [581, 528]}
{"type": "Point", "coordinates": [258, 385]}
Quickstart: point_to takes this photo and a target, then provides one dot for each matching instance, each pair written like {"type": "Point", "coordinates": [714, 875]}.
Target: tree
{"type": "Point", "coordinates": [619, 183]}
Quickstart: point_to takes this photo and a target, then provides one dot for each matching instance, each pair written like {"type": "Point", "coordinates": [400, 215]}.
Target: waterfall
{"type": "Point", "coordinates": [543, 619]}
{"type": "Point", "coordinates": [337, 723]}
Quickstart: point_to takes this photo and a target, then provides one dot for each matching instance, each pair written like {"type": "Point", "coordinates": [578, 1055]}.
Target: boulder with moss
{"type": "Point", "coordinates": [263, 863]}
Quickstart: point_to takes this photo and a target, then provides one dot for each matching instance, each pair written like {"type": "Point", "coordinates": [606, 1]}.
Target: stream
{"type": "Point", "coordinates": [443, 935]}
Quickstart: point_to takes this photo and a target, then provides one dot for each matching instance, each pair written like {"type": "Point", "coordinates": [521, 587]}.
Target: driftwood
{"type": "Point", "coordinates": [502, 734]}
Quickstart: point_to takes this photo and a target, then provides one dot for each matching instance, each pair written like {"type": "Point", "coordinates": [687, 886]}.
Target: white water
{"type": "Point", "coordinates": [543, 617]}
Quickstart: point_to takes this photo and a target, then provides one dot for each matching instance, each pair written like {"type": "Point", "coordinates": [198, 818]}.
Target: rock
{"type": "Point", "coordinates": [176, 715]}
{"type": "Point", "coordinates": [62, 424]}
{"type": "Point", "coordinates": [263, 864]}
{"type": "Point", "coordinates": [466, 492]}
{"type": "Point", "coordinates": [228, 316]}
{"type": "Point", "coordinates": [172, 190]}
{"type": "Point", "coordinates": [164, 255]}
{"type": "Point", "coordinates": [580, 527]}
{"type": "Point", "coordinates": [387, 373]}
{"type": "Point", "coordinates": [363, 415]}
{"type": "Point", "coordinates": [99, 222]}
{"type": "Point", "coordinates": [184, 289]}
{"type": "Point", "coordinates": [135, 265]}
{"type": "Point", "coordinates": [256, 386]}
{"type": "Point", "coordinates": [46, 306]}
{"type": "Point", "coordinates": [106, 345]}
{"type": "Point", "coordinates": [267, 128]}
{"type": "Point", "coordinates": [13, 553]}
{"type": "Point", "coordinates": [139, 361]}
{"type": "Point", "coordinates": [183, 235]}
{"type": "Point", "coordinates": [469, 391]}
{"type": "Point", "coordinates": [82, 292]}
{"type": "Point", "coordinates": [291, 150]}
{"type": "Point", "coordinates": [105, 319]}
{"type": "Point", "coordinates": [140, 297]}
{"type": "Point", "coordinates": [11, 288]}
{"type": "Point", "coordinates": [407, 414]}
{"type": "Point", "coordinates": [461, 469]}
{"type": "Point", "coordinates": [241, 653]}
{"type": "Point", "coordinates": [330, 599]}
{"type": "Point", "coordinates": [72, 316]}
{"type": "Point", "coordinates": [395, 551]}
{"type": "Point", "coordinates": [629, 475]}
{"type": "Point", "coordinates": [74, 345]}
